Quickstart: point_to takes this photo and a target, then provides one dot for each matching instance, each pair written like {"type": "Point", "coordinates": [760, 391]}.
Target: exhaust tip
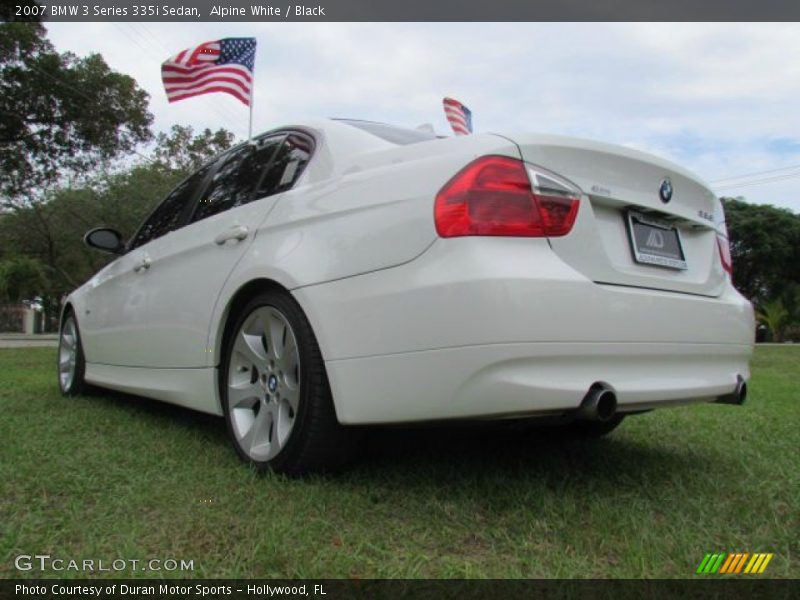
{"type": "Point", "coordinates": [738, 396]}
{"type": "Point", "coordinates": [599, 404]}
{"type": "Point", "coordinates": [606, 405]}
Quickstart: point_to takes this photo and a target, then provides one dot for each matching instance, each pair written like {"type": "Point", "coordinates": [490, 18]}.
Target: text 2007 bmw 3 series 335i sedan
{"type": "Point", "coordinates": [336, 273]}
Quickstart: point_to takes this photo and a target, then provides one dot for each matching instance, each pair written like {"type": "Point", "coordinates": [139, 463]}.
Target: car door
{"type": "Point", "coordinates": [188, 268]}
{"type": "Point", "coordinates": [114, 311]}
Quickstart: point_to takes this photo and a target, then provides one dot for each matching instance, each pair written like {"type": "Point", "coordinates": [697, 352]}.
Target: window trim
{"type": "Point", "coordinates": [218, 165]}
{"type": "Point", "coordinates": [311, 154]}
{"type": "Point", "coordinates": [286, 132]}
{"type": "Point", "coordinates": [282, 133]}
{"type": "Point", "coordinates": [213, 166]}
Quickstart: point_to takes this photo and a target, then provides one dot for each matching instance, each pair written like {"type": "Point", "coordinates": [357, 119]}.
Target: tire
{"type": "Point", "coordinates": [71, 362]}
{"type": "Point", "coordinates": [275, 394]}
{"type": "Point", "coordinates": [594, 429]}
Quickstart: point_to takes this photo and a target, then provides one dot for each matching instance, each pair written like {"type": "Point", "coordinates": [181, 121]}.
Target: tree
{"type": "Point", "coordinates": [21, 277]}
{"type": "Point", "coordinates": [775, 316]}
{"type": "Point", "coordinates": [765, 248]}
{"type": "Point", "coordinates": [59, 113]}
{"type": "Point", "coordinates": [181, 150]}
{"type": "Point", "coordinates": [51, 231]}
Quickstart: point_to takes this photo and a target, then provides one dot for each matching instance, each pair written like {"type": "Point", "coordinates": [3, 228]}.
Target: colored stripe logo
{"type": "Point", "coordinates": [734, 564]}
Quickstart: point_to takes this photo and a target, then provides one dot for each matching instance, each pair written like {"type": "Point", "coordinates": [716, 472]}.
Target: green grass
{"type": "Point", "coordinates": [111, 477]}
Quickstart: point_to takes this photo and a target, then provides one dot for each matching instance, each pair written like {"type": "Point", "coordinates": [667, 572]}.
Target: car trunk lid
{"type": "Point", "coordinates": [624, 231]}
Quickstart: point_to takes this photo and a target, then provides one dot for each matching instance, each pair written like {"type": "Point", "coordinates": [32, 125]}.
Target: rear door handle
{"type": "Point", "coordinates": [142, 265]}
{"type": "Point", "coordinates": [238, 233]}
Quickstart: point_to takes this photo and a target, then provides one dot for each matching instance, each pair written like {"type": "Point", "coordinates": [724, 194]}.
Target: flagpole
{"type": "Point", "coordinates": [250, 126]}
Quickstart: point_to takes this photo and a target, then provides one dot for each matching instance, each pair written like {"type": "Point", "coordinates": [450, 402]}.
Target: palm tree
{"type": "Point", "coordinates": [774, 315]}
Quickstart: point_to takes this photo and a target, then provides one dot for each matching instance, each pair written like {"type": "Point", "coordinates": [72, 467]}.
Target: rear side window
{"type": "Point", "coordinates": [287, 166]}
{"type": "Point", "coordinates": [170, 213]}
{"type": "Point", "coordinates": [235, 182]}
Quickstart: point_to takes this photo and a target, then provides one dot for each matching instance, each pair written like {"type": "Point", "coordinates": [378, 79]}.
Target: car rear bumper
{"type": "Point", "coordinates": [492, 327]}
{"type": "Point", "coordinates": [506, 380]}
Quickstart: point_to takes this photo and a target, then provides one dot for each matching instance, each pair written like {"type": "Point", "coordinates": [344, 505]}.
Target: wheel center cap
{"type": "Point", "coordinates": [272, 383]}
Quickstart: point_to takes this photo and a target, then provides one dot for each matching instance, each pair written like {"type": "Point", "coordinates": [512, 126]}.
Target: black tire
{"type": "Point", "coordinates": [70, 334]}
{"type": "Point", "coordinates": [316, 441]}
{"type": "Point", "coordinates": [594, 429]}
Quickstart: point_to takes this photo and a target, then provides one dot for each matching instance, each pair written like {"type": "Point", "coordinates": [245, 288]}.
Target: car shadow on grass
{"type": "Point", "coordinates": [162, 414]}
{"type": "Point", "coordinates": [492, 457]}
{"type": "Point", "coordinates": [456, 455]}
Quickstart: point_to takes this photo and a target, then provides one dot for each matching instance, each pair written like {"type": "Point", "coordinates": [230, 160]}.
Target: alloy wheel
{"type": "Point", "coordinates": [68, 354]}
{"type": "Point", "coordinates": [264, 383]}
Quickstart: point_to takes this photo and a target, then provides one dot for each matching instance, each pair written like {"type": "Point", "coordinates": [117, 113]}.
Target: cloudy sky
{"type": "Point", "coordinates": [721, 99]}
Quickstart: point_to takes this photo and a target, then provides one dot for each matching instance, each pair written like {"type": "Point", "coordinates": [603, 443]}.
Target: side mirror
{"type": "Point", "coordinates": [105, 239]}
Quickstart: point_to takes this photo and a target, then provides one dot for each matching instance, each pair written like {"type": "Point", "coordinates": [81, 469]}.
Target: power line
{"type": "Point", "coordinates": [747, 175]}
{"type": "Point", "coordinates": [82, 94]}
{"type": "Point", "coordinates": [226, 117]}
{"type": "Point", "coordinates": [763, 181]}
{"type": "Point", "coordinates": [216, 104]}
{"type": "Point", "coordinates": [148, 159]}
{"type": "Point", "coordinates": [221, 111]}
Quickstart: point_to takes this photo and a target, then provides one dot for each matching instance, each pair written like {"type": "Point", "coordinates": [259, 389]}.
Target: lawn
{"type": "Point", "coordinates": [109, 477]}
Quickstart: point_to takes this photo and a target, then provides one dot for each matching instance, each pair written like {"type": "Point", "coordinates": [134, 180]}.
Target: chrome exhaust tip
{"type": "Point", "coordinates": [738, 396]}
{"type": "Point", "coordinates": [599, 404]}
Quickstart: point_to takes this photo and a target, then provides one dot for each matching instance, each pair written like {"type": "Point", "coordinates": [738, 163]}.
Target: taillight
{"type": "Point", "coordinates": [497, 195]}
{"type": "Point", "coordinates": [722, 238]}
{"type": "Point", "coordinates": [725, 253]}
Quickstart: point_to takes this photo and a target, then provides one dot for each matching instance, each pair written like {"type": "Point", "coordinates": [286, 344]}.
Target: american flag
{"type": "Point", "coordinates": [459, 116]}
{"type": "Point", "coordinates": [220, 66]}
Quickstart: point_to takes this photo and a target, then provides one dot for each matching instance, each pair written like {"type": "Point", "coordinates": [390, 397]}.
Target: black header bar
{"type": "Point", "coordinates": [401, 10]}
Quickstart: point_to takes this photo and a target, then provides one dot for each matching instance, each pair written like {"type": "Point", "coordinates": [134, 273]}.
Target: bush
{"type": "Point", "coordinates": [791, 333]}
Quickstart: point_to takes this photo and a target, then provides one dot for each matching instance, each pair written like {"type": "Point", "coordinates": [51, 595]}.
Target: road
{"type": "Point", "coordinates": [22, 340]}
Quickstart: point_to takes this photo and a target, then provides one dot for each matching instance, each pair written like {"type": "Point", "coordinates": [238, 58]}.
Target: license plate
{"type": "Point", "coordinates": [655, 242]}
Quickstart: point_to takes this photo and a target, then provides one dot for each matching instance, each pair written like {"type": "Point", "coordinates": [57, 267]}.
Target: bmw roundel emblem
{"type": "Point", "coordinates": [665, 191]}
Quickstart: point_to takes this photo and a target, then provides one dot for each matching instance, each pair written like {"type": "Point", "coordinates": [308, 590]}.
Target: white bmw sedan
{"type": "Point", "coordinates": [339, 273]}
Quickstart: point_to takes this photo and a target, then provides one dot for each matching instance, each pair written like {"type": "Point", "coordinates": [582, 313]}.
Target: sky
{"type": "Point", "coordinates": [721, 99]}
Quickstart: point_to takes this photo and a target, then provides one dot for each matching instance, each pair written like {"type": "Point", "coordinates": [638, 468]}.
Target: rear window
{"type": "Point", "coordinates": [390, 133]}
